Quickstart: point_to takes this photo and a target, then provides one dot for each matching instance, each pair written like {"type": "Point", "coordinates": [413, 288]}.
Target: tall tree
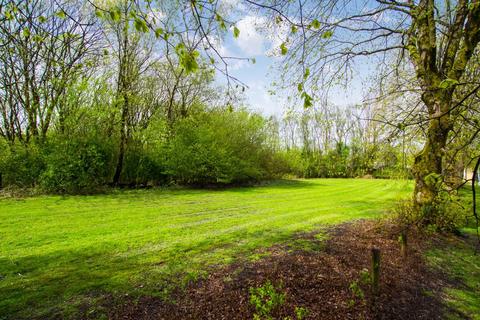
{"type": "Point", "coordinates": [132, 60]}
{"type": "Point", "coordinates": [324, 41]}
{"type": "Point", "coordinates": [44, 45]}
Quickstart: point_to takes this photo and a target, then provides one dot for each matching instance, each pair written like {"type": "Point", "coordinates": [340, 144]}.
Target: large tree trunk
{"type": "Point", "coordinates": [428, 166]}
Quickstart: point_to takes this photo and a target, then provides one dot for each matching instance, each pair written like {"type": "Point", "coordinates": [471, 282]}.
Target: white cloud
{"type": "Point", "coordinates": [260, 100]}
{"type": "Point", "coordinates": [277, 35]}
{"type": "Point", "coordinates": [250, 40]}
{"type": "Point", "coordinates": [259, 37]}
{"type": "Point", "coordinates": [235, 65]}
{"type": "Point", "coordinates": [229, 4]}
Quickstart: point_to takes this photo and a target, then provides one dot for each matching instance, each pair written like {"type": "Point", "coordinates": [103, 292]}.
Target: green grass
{"type": "Point", "coordinates": [57, 252]}
{"type": "Point", "coordinates": [458, 259]}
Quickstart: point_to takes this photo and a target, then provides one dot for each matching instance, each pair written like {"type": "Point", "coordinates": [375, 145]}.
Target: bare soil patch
{"type": "Point", "coordinates": [318, 279]}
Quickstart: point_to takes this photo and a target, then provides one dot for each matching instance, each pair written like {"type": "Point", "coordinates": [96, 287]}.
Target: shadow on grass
{"type": "Point", "coordinates": [37, 286]}
{"type": "Point", "coordinates": [241, 187]}
{"type": "Point", "coordinates": [42, 285]}
{"type": "Point", "coordinates": [58, 284]}
{"type": "Point", "coordinates": [281, 184]}
{"type": "Point", "coordinates": [456, 258]}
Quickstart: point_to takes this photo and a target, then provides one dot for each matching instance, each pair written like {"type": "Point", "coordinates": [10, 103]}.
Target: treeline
{"type": "Point", "coordinates": [87, 103]}
{"type": "Point", "coordinates": [209, 146]}
{"type": "Point", "coordinates": [331, 142]}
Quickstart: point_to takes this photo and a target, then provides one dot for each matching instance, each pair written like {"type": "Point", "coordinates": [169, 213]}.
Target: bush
{"type": "Point", "coordinates": [76, 165]}
{"type": "Point", "coordinates": [449, 214]}
{"type": "Point", "coordinates": [144, 166]}
{"type": "Point", "coordinates": [219, 147]}
{"type": "Point", "coordinates": [446, 214]}
{"type": "Point", "coordinates": [309, 164]}
{"type": "Point", "coordinates": [146, 154]}
{"type": "Point", "coordinates": [21, 165]}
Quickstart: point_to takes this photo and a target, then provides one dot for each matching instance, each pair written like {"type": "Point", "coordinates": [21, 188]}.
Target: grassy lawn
{"type": "Point", "coordinates": [458, 259]}
{"type": "Point", "coordinates": [57, 252]}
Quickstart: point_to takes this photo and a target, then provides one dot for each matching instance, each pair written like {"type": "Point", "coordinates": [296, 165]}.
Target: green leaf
{"type": "Point", "coordinates": [61, 14]}
{"type": "Point", "coordinates": [99, 13]}
{"type": "Point", "coordinates": [37, 38]}
{"type": "Point", "coordinates": [140, 25]}
{"type": "Point", "coordinates": [115, 15]}
{"type": "Point", "coordinates": [283, 49]}
{"type": "Point", "coordinates": [473, 5]}
{"type": "Point", "coordinates": [307, 100]}
{"type": "Point", "coordinates": [187, 59]}
{"type": "Point", "coordinates": [42, 19]}
{"type": "Point", "coordinates": [26, 32]}
{"type": "Point", "coordinates": [447, 83]}
{"type": "Point", "coordinates": [294, 29]}
{"type": "Point", "coordinates": [327, 34]}
{"type": "Point", "coordinates": [315, 24]}
{"type": "Point", "coordinates": [220, 21]}
{"type": "Point", "coordinates": [236, 32]}
{"type": "Point", "coordinates": [300, 87]}
{"type": "Point", "coordinates": [254, 60]}
{"type": "Point", "coordinates": [132, 14]}
{"type": "Point", "coordinates": [180, 47]}
{"type": "Point", "coordinates": [8, 15]}
{"type": "Point", "coordinates": [306, 74]}
{"type": "Point", "coordinates": [158, 32]}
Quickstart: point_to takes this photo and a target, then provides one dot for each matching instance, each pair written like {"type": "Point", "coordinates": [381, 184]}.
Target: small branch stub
{"type": "Point", "coordinates": [403, 243]}
{"type": "Point", "coordinates": [375, 270]}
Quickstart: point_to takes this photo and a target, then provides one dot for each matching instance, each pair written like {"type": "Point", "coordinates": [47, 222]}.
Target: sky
{"type": "Point", "coordinates": [252, 43]}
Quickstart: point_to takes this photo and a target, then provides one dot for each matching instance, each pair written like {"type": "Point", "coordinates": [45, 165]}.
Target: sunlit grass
{"type": "Point", "coordinates": [56, 251]}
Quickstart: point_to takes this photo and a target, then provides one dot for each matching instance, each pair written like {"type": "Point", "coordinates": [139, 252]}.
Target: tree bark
{"type": "Point", "coordinates": [123, 142]}
{"type": "Point", "coordinates": [428, 165]}
{"type": "Point", "coordinates": [123, 88]}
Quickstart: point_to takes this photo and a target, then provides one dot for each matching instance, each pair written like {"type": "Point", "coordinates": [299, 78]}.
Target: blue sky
{"type": "Point", "coordinates": [252, 43]}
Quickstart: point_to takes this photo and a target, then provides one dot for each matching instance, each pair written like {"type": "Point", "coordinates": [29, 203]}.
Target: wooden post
{"type": "Point", "coordinates": [375, 270]}
{"type": "Point", "coordinates": [403, 243]}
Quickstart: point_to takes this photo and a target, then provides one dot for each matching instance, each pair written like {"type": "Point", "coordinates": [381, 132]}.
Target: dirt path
{"type": "Point", "coordinates": [320, 277]}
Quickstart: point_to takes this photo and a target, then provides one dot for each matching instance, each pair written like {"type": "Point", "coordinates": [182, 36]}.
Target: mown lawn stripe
{"type": "Point", "coordinates": [58, 250]}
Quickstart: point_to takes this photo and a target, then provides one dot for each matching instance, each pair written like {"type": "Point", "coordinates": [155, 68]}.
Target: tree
{"type": "Point", "coordinates": [181, 89]}
{"type": "Point", "coordinates": [436, 39]}
{"type": "Point", "coordinates": [132, 52]}
{"type": "Point", "coordinates": [45, 46]}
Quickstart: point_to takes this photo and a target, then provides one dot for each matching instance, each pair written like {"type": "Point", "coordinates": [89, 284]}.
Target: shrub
{"type": "Point", "coordinates": [447, 214]}
{"type": "Point", "coordinates": [21, 165]}
{"type": "Point", "coordinates": [219, 147]}
{"type": "Point", "coordinates": [143, 166]}
{"type": "Point", "coordinates": [146, 154]}
{"type": "Point", "coordinates": [76, 165]}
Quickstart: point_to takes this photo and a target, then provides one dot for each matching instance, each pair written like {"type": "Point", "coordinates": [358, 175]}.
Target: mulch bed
{"type": "Point", "coordinates": [318, 280]}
